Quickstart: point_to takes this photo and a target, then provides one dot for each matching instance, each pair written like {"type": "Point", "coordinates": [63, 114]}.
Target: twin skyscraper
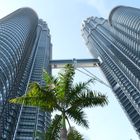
{"type": "Point", "coordinates": [25, 49]}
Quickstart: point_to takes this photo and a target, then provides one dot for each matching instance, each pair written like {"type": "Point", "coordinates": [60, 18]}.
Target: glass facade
{"type": "Point", "coordinates": [116, 42]}
{"type": "Point", "coordinates": [25, 49]}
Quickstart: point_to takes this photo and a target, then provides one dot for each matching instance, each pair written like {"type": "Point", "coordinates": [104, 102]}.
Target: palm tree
{"type": "Point", "coordinates": [60, 94]}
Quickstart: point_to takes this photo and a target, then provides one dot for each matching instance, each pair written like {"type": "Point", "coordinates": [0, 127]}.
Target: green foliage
{"type": "Point", "coordinates": [62, 95]}
{"type": "Point", "coordinates": [66, 78]}
{"type": "Point", "coordinates": [78, 116]}
{"type": "Point", "coordinates": [74, 134]}
{"type": "Point", "coordinates": [39, 135]}
{"type": "Point", "coordinates": [53, 133]}
{"type": "Point", "coordinates": [38, 96]}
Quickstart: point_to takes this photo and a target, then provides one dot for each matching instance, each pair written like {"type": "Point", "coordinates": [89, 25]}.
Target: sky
{"type": "Point", "coordinates": [64, 19]}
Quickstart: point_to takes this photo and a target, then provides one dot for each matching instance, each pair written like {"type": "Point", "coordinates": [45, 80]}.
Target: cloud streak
{"type": "Point", "coordinates": [100, 6]}
{"type": "Point", "coordinates": [103, 7]}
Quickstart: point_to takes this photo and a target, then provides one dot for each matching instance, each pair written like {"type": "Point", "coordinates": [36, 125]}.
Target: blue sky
{"type": "Point", "coordinates": [64, 19]}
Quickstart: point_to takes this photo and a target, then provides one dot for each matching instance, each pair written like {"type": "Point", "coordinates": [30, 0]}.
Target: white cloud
{"type": "Point", "coordinates": [103, 7]}
{"type": "Point", "coordinates": [100, 6]}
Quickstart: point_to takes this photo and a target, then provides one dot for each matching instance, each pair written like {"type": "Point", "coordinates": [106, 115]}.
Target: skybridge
{"type": "Point", "coordinates": [78, 63]}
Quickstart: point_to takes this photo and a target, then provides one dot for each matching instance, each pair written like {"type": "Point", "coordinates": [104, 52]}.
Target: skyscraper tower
{"type": "Point", "coordinates": [25, 49]}
{"type": "Point", "coordinates": [115, 42]}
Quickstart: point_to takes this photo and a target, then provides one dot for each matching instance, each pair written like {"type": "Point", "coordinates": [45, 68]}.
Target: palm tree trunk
{"type": "Point", "coordinates": [63, 134]}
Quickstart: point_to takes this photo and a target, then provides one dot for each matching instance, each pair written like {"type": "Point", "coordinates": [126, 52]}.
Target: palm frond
{"type": "Point", "coordinates": [53, 132]}
{"type": "Point", "coordinates": [78, 116]}
{"type": "Point", "coordinates": [74, 134]}
{"type": "Point", "coordinates": [50, 80]}
{"type": "Point", "coordinates": [37, 96]}
{"type": "Point", "coordinates": [77, 89]}
{"type": "Point", "coordinates": [33, 91]}
{"type": "Point", "coordinates": [89, 99]}
{"type": "Point", "coordinates": [66, 78]}
{"type": "Point", "coordinates": [39, 135]}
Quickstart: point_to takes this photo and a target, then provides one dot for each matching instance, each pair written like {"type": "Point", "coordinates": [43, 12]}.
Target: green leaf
{"type": "Point", "coordinates": [89, 99]}
{"type": "Point", "coordinates": [66, 78]}
{"type": "Point", "coordinates": [78, 116]}
{"type": "Point", "coordinates": [53, 132]}
{"type": "Point", "coordinates": [39, 97]}
{"type": "Point", "coordinates": [74, 134]}
{"type": "Point", "coordinates": [77, 89]}
{"type": "Point", "coordinates": [50, 80]}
